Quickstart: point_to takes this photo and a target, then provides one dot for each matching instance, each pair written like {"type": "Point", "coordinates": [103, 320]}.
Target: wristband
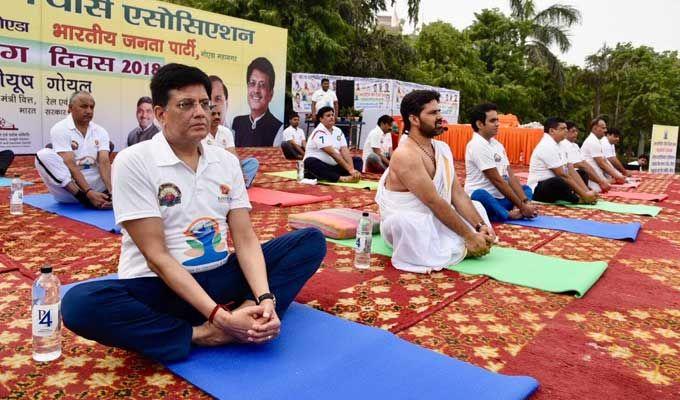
{"type": "Point", "coordinates": [266, 296]}
{"type": "Point", "coordinates": [225, 307]}
{"type": "Point", "coordinates": [88, 189]}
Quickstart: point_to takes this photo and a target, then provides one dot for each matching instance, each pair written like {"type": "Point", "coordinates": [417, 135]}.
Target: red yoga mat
{"type": "Point", "coordinates": [629, 185]}
{"type": "Point", "coordinates": [636, 195]}
{"type": "Point", "coordinates": [283, 199]}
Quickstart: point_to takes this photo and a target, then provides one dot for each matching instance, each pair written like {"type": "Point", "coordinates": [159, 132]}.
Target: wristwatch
{"type": "Point", "coordinates": [264, 297]}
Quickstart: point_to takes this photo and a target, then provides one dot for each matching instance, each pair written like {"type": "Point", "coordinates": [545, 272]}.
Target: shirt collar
{"type": "Point", "coordinates": [166, 157]}
{"type": "Point", "coordinates": [547, 136]}
{"type": "Point", "coordinates": [71, 124]}
{"type": "Point", "coordinates": [253, 122]}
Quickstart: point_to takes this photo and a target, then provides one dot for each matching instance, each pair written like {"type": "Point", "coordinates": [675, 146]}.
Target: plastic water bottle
{"type": "Point", "coordinates": [300, 170]}
{"type": "Point", "coordinates": [16, 198]}
{"type": "Point", "coordinates": [362, 248]}
{"type": "Point", "coordinates": [46, 314]}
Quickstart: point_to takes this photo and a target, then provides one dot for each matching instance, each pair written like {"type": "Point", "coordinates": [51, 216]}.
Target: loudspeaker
{"type": "Point", "coordinates": [344, 89]}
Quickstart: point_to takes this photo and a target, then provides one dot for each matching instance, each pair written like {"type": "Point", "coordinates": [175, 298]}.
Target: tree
{"type": "Point", "coordinates": [539, 30]}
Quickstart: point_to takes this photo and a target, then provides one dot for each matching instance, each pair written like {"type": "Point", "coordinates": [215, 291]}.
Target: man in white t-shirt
{"type": "Point", "coordinates": [326, 155]}
{"type": "Point", "coordinates": [551, 176]}
{"type": "Point", "coordinates": [489, 178]}
{"type": "Point", "coordinates": [572, 154]}
{"type": "Point", "coordinates": [294, 142]}
{"type": "Point", "coordinates": [324, 97]}
{"type": "Point", "coordinates": [77, 168]}
{"type": "Point", "coordinates": [177, 200]}
{"type": "Point", "coordinates": [609, 142]}
{"type": "Point", "coordinates": [591, 149]}
{"type": "Point", "coordinates": [378, 146]}
{"type": "Point", "coordinates": [221, 136]}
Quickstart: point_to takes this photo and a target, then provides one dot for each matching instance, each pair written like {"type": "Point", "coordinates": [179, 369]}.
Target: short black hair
{"type": "Point", "coordinates": [263, 65]}
{"type": "Point", "coordinates": [551, 123]}
{"type": "Point", "coordinates": [325, 80]}
{"type": "Point", "coordinates": [385, 119]}
{"type": "Point", "coordinates": [645, 156]}
{"type": "Point", "coordinates": [215, 78]}
{"type": "Point", "coordinates": [479, 114]}
{"type": "Point", "coordinates": [293, 115]}
{"type": "Point", "coordinates": [176, 76]}
{"type": "Point", "coordinates": [323, 110]}
{"type": "Point", "coordinates": [614, 132]}
{"type": "Point", "coordinates": [413, 104]}
{"type": "Point", "coordinates": [144, 99]}
{"type": "Point", "coordinates": [571, 124]}
{"type": "Point", "coordinates": [596, 121]}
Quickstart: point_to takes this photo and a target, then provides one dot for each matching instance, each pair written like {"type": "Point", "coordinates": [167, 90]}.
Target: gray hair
{"type": "Point", "coordinates": [76, 94]}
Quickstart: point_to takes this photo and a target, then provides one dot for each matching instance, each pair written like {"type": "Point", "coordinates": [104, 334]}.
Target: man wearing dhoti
{"type": "Point", "coordinates": [426, 216]}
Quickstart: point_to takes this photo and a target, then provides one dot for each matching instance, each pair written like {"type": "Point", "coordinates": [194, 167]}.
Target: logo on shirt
{"type": "Point", "coordinates": [224, 196]}
{"type": "Point", "coordinates": [169, 195]}
{"type": "Point", "coordinates": [497, 157]}
{"type": "Point", "coordinates": [206, 243]}
{"type": "Point", "coordinates": [74, 145]}
{"type": "Point", "coordinates": [96, 142]}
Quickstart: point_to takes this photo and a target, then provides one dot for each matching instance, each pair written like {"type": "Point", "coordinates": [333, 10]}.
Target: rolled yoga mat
{"type": "Point", "coordinates": [372, 185]}
{"type": "Point", "coordinates": [102, 219]}
{"type": "Point", "coordinates": [518, 267]}
{"type": "Point", "coordinates": [581, 226]}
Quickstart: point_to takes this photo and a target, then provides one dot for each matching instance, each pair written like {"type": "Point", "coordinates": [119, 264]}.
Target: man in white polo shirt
{"type": "Point", "coordinates": [609, 142]}
{"type": "Point", "coordinates": [221, 136]}
{"type": "Point", "coordinates": [326, 156]}
{"type": "Point", "coordinates": [489, 177]}
{"type": "Point", "coordinates": [177, 200]}
{"type": "Point", "coordinates": [324, 97]}
{"type": "Point", "coordinates": [77, 168]}
{"type": "Point", "coordinates": [378, 146]}
{"type": "Point", "coordinates": [572, 153]}
{"type": "Point", "coordinates": [294, 142]}
{"type": "Point", "coordinates": [551, 176]}
{"type": "Point", "coordinates": [591, 149]}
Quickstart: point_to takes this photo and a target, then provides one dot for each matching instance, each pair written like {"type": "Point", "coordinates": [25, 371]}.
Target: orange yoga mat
{"type": "Point", "coordinates": [283, 199]}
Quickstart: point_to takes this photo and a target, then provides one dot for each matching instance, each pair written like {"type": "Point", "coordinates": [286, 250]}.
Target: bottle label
{"type": "Point", "coordinates": [363, 243]}
{"type": "Point", "coordinates": [17, 197]}
{"type": "Point", "coordinates": [45, 319]}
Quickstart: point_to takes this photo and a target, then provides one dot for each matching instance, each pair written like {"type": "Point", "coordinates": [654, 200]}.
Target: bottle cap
{"type": "Point", "coordinates": [46, 269]}
{"type": "Point", "coordinates": [365, 214]}
{"type": "Point", "coordinates": [16, 175]}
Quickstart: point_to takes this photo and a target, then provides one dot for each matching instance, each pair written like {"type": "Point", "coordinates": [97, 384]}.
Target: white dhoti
{"type": "Point", "coordinates": [421, 242]}
{"type": "Point", "coordinates": [56, 175]}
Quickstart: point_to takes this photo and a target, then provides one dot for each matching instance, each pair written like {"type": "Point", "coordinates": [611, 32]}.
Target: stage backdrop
{"type": "Point", "coordinates": [51, 48]}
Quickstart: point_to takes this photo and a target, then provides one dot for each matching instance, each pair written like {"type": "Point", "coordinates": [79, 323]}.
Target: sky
{"type": "Point", "coordinates": [654, 23]}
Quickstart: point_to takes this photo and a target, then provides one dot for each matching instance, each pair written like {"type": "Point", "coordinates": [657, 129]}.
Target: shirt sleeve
{"type": "Point", "coordinates": [335, 96]}
{"type": "Point", "coordinates": [238, 193]}
{"type": "Point", "coordinates": [608, 150]}
{"type": "Point", "coordinates": [316, 96]}
{"type": "Point", "coordinates": [551, 158]}
{"type": "Point", "coordinates": [61, 141]}
{"type": "Point", "coordinates": [483, 157]}
{"type": "Point", "coordinates": [134, 194]}
{"type": "Point", "coordinates": [287, 134]}
{"type": "Point", "coordinates": [373, 140]}
{"type": "Point", "coordinates": [342, 141]}
{"type": "Point", "coordinates": [229, 137]}
{"type": "Point", "coordinates": [103, 139]}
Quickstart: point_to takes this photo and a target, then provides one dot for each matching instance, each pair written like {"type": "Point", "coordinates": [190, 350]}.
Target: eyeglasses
{"type": "Point", "coordinates": [259, 85]}
{"type": "Point", "coordinates": [188, 105]}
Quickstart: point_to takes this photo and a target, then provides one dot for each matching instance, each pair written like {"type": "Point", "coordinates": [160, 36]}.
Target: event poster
{"type": "Point", "coordinates": [663, 149]}
{"type": "Point", "coordinates": [372, 94]}
{"type": "Point", "coordinates": [50, 49]}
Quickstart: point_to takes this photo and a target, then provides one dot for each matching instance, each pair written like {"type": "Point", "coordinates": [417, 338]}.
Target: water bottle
{"type": "Point", "coordinates": [300, 170]}
{"type": "Point", "coordinates": [16, 198]}
{"type": "Point", "coordinates": [362, 248]}
{"type": "Point", "coordinates": [46, 316]}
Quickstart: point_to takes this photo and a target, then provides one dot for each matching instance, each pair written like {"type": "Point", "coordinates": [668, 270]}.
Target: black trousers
{"type": "Point", "coordinates": [290, 152]}
{"type": "Point", "coordinates": [555, 189]}
{"type": "Point", "coordinates": [317, 169]}
{"type": "Point", "coordinates": [6, 158]}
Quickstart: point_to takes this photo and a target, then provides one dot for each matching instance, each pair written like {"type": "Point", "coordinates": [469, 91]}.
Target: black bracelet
{"type": "Point", "coordinates": [264, 297]}
{"type": "Point", "coordinates": [88, 189]}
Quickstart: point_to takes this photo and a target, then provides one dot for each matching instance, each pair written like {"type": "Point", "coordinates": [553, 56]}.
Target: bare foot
{"type": "Point", "coordinates": [210, 335]}
{"type": "Point", "coordinates": [515, 213]}
{"type": "Point", "coordinates": [349, 179]}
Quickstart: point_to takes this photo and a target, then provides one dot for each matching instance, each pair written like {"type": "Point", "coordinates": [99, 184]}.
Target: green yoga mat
{"type": "Point", "coordinates": [372, 185]}
{"type": "Point", "coordinates": [621, 208]}
{"type": "Point", "coordinates": [519, 268]}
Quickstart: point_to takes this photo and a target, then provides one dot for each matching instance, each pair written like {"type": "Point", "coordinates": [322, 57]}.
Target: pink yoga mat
{"type": "Point", "coordinates": [283, 199]}
{"type": "Point", "coordinates": [636, 195]}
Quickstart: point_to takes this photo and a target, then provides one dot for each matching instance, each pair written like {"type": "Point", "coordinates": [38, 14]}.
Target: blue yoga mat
{"type": "Point", "coordinates": [6, 182]}
{"type": "Point", "coordinates": [591, 228]}
{"type": "Point", "coordinates": [102, 219]}
{"type": "Point", "coordinates": [320, 356]}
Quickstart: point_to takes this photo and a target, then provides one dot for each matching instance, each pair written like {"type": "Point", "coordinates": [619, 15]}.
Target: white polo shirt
{"type": "Point", "coordinates": [66, 137]}
{"type": "Point", "coordinates": [321, 138]}
{"type": "Point", "coordinates": [150, 181]}
{"type": "Point", "coordinates": [546, 156]}
{"type": "Point", "coordinates": [570, 152]}
{"type": "Point", "coordinates": [377, 138]}
{"type": "Point", "coordinates": [224, 138]}
{"type": "Point", "coordinates": [297, 135]}
{"type": "Point", "coordinates": [591, 148]}
{"type": "Point", "coordinates": [481, 155]}
{"type": "Point", "coordinates": [608, 149]}
{"type": "Point", "coordinates": [324, 99]}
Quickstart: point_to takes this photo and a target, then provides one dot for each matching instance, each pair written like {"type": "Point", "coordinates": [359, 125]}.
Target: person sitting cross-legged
{"type": "Point", "coordinates": [378, 146]}
{"type": "Point", "coordinates": [551, 176]}
{"type": "Point", "coordinates": [489, 178]}
{"type": "Point", "coordinates": [425, 215]}
{"type": "Point", "coordinates": [294, 141]}
{"type": "Point", "coordinates": [326, 155]}
{"type": "Point", "coordinates": [177, 285]}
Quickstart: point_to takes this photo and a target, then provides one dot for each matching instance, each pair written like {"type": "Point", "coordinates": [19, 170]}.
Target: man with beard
{"type": "Point", "coordinates": [426, 217]}
{"type": "Point", "coordinates": [260, 127]}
